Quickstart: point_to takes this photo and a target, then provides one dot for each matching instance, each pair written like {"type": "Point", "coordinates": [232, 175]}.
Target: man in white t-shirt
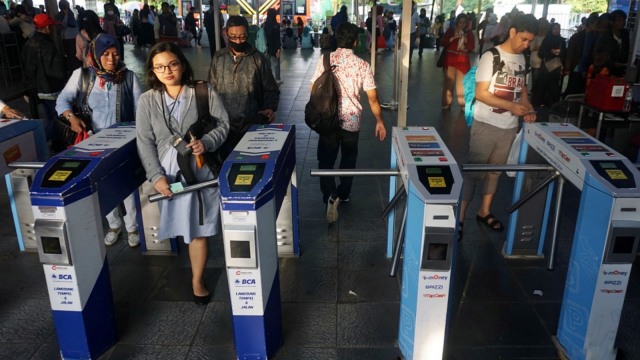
{"type": "Point", "coordinates": [501, 99]}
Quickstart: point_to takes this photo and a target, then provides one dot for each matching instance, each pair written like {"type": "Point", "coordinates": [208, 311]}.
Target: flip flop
{"type": "Point", "coordinates": [491, 222]}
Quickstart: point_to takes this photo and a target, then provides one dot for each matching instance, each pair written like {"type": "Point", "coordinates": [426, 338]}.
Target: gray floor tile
{"type": "Point", "coordinates": [367, 324]}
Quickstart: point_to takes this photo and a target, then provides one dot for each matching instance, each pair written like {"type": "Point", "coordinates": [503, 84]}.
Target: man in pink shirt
{"type": "Point", "coordinates": [352, 75]}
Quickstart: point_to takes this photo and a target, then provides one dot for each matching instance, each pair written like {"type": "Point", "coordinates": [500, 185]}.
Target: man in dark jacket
{"type": "Point", "coordinates": [209, 24]}
{"type": "Point", "coordinates": [168, 23]}
{"type": "Point", "coordinates": [338, 19]}
{"type": "Point", "coordinates": [242, 77]}
{"type": "Point", "coordinates": [274, 45]}
{"type": "Point", "coordinates": [44, 69]}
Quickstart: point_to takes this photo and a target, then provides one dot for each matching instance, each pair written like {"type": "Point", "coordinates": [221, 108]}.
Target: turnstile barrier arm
{"type": "Point", "coordinates": [556, 220]}
{"type": "Point", "coordinates": [507, 167]}
{"type": "Point", "coordinates": [26, 165]}
{"type": "Point", "coordinates": [532, 193]}
{"type": "Point", "coordinates": [354, 172]}
{"type": "Point", "coordinates": [400, 193]}
{"type": "Point", "coordinates": [191, 188]}
{"type": "Point", "coordinates": [399, 245]}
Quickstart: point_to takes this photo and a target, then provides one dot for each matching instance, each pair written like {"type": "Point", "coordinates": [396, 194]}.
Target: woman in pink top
{"type": "Point", "coordinates": [457, 42]}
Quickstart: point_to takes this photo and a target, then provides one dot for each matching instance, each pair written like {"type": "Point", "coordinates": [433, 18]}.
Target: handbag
{"type": "Point", "coordinates": [65, 136]}
{"type": "Point", "coordinates": [553, 64]}
{"type": "Point", "coordinates": [205, 123]}
{"type": "Point", "coordinates": [514, 153]}
{"type": "Point", "coordinates": [380, 42]}
{"type": "Point", "coordinates": [440, 62]}
{"type": "Point", "coordinates": [68, 137]}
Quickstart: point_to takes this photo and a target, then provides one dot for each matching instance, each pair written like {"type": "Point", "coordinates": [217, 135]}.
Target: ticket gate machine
{"type": "Point", "coordinates": [21, 141]}
{"type": "Point", "coordinates": [433, 183]}
{"type": "Point", "coordinates": [605, 241]}
{"type": "Point", "coordinates": [259, 214]}
{"type": "Point", "coordinates": [70, 196]}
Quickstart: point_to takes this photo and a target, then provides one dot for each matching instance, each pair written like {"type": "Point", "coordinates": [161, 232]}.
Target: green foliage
{"type": "Point", "coordinates": [469, 5]}
{"type": "Point", "coordinates": [587, 6]}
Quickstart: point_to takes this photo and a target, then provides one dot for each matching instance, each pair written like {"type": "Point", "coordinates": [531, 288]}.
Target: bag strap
{"type": "Point", "coordinates": [496, 60]}
{"type": "Point", "coordinates": [202, 99]}
{"type": "Point", "coordinates": [327, 62]}
{"type": "Point", "coordinates": [85, 88]}
{"type": "Point", "coordinates": [118, 102]}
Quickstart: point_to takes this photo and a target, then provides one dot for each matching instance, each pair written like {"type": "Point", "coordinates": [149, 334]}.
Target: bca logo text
{"type": "Point", "coordinates": [248, 281]}
{"type": "Point", "coordinates": [62, 277]}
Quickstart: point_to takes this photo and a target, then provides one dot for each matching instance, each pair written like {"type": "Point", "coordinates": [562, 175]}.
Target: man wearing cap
{"type": "Point", "coordinates": [44, 69]}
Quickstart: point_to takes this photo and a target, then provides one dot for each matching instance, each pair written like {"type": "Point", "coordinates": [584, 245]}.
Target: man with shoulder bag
{"type": "Point", "coordinates": [352, 75]}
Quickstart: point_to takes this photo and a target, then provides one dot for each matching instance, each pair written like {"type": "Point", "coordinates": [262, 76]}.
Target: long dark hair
{"type": "Point", "coordinates": [152, 79]}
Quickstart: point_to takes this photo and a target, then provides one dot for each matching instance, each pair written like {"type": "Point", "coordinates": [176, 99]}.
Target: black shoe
{"type": "Point", "coordinates": [201, 300]}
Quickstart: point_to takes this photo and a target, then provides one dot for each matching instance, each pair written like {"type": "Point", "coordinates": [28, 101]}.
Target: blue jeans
{"type": "Point", "coordinates": [328, 145]}
{"type": "Point", "coordinates": [49, 118]}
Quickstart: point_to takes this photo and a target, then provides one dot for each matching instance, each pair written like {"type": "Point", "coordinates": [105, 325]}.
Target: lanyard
{"type": "Point", "coordinates": [167, 121]}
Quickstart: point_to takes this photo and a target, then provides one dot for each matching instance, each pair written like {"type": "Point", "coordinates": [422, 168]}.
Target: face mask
{"type": "Point", "coordinates": [239, 47]}
{"type": "Point", "coordinates": [109, 12]}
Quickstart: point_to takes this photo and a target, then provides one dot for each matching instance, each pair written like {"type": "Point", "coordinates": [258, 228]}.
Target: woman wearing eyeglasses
{"type": "Point", "coordinates": [166, 114]}
{"type": "Point", "coordinates": [112, 96]}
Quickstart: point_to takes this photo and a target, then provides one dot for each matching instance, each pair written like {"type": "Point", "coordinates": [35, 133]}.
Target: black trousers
{"type": "Point", "coordinates": [328, 146]}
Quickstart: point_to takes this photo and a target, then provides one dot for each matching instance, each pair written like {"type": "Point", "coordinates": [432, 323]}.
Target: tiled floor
{"type": "Point", "coordinates": [338, 300]}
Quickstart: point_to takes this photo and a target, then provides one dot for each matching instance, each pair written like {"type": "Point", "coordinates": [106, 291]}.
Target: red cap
{"type": "Point", "coordinates": [44, 20]}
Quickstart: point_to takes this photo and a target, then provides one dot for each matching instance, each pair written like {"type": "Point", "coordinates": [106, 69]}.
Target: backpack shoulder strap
{"type": "Point", "coordinates": [327, 61]}
{"type": "Point", "coordinates": [85, 86]}
{"type": "Point", "coordinates": [496, 59]}
{"type": "Point", "coordinates": [202, 98]}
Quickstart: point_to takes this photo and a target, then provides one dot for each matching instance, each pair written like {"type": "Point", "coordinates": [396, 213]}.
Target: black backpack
{"type": "Point", "coordinates": [321, 112]}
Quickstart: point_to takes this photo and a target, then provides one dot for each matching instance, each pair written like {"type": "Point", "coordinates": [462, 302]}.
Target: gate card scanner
{"type": "Point", "coordinates": [106, 163]}
{"type": "Point", "coordinates": [582, 159]}
{"type": "Point", "coordinates": [423, 156]}
{"type": "Point", "coordinates": [249, 174]}
{"type": "Point", "coordinates": [21, 140]}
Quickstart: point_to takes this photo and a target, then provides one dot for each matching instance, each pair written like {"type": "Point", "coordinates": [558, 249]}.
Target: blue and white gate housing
{"type": "Point", "coordinates": [433, 183]}
{"type": "Point", "coordinates": [605, 241]}
{"type": "Point", "coordinates": [70, 196]}
{"type": "Point", "coordinates": [21, 141]}
{"type": "Point", "coordinates": [259, 216]}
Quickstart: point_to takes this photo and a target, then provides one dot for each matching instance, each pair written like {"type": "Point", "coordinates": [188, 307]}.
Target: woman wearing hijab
{"type": "Point", "coordinates": [167, 111]}
{"type": "Point", "coordinates": [457, 42]}
{"type": "Point", "coordinates": [546, 89]}
{"type": "Point", "coordinates": [112, 96]}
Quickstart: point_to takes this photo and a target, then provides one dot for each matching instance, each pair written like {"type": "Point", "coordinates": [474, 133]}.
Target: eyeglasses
{"type": "Point", "coordinates": [163, 68]}
{"type": "Point", "coordinates": [238, 38]}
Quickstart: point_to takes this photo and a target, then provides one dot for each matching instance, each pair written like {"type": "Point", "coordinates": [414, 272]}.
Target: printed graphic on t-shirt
{"type": "Point", "coordinates": [507, 86]}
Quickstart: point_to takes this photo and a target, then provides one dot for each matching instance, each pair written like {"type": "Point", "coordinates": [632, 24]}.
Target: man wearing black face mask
{"type": "Point", "coordinates": [243, 78]}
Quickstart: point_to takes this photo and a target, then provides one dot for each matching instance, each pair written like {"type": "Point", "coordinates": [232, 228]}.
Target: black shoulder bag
{"type": "Point", "coordinates": [205, 123]}
{"type": "Point", "coordinates": [81, 110]}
